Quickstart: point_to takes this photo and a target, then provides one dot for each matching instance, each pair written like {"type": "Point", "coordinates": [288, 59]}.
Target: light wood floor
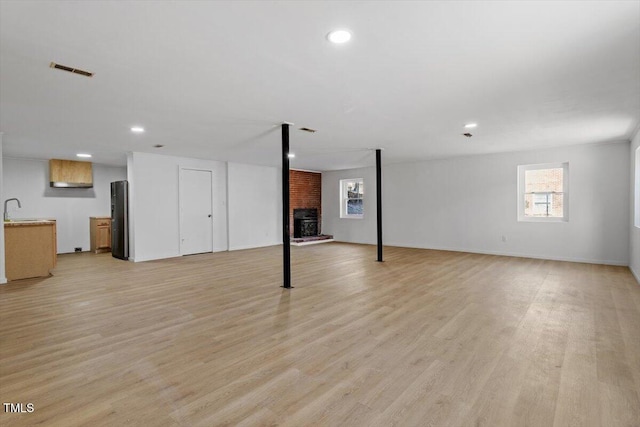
{"type": "Point", "coordinates": [426, 338]}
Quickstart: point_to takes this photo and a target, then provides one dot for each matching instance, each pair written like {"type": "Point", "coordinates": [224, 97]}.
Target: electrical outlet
{"type": "Point", "coordinates": [78, 249]}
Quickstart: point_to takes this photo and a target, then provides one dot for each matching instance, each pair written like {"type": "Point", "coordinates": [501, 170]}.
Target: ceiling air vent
{"type": "Point", "coordinates": [308, 130]}
{"type": "Point", "coordinates": [71, 69]}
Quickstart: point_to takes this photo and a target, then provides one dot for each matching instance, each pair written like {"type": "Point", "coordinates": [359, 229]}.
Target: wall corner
{"type": "Point", "coordinates": [3, 278]}
{"type": "Point", "coordinates": [132, 204]}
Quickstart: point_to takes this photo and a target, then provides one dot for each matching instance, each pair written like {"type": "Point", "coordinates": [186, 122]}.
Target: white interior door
{"type": "Point", "coordinates": [196, 221]}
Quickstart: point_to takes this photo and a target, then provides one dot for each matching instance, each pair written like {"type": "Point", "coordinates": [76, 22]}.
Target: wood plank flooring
{"type": "Point", "coordinates": [427, 338]}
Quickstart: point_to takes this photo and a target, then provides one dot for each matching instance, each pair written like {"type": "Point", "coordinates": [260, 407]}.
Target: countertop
{"type": "Point", "coordinates": [29, 222]}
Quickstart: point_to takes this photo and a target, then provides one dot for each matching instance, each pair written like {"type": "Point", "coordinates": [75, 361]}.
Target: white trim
{"type": "Point", "coordinates": [343, 199]}
{"type": "Point", "coordinates": [493, 153]}
{"type": "Point", "coordinates": [636, 188]}
{"type": "Point", "coordinates": [243, 248]}
{"type": "Point", "coordinates": [497, 253]}
{"type": "Point", "coordinates": [156, 257]}
{"type": "Point", "coordinates": [172, 255]}
{"type": "Point", "coordinates": [515, 254]}
{"type": "Point", "coordinates": [3, 271]}
{"type": "Point", "coordinates": [226, 204]}
{"type": "Point", "coordinates": [180, 195]}
{"type": "Point", "coordinates": [521, 191]}
{"type": "Point", "coordinates": [635, 275]}
{"type": "Point", "coordinates": [541, 219]}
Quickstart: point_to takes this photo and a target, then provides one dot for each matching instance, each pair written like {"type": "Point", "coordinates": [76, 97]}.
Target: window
{"type": "Point", "coordinates": [543, 192]}
{"type": "Point", "coordinates": [351, 198]}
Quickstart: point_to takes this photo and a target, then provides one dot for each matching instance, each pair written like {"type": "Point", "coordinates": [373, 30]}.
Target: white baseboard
{"type": "Point", "coordinates": [242, 248]}
{"type": "Point", "coordinates": [635, 274]}
{"type": "Point", "coordinates": [154, 257]}
{"type": "Point", "coordinates": [3, 280]}
{"type": "Point", "coordinates": [518, 255]}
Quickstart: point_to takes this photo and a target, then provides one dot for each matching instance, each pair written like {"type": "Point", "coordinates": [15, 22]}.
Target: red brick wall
{"type": "Point", "coordinates": [305, 192]}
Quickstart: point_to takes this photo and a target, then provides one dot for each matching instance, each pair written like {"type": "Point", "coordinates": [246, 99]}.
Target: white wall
{"type": "Point", "coordinates": [349, 229]}
{"type": "Point", "coordinates": [634, 234]}
{"type": "Point", "coordinates": [246, 212]}
{"type": "Point", "coordinates": [3, 278]}
{"type": "Point", "coordinates": [28, 180]}
{"type": "Point", "coordinates": [255, 206]}
{"type": "Point", "coordinates": [154, 204]}
{"type": "Point", "coordinates": [132, 216]}
{"type": "Point", "coordinates": [469, 203]}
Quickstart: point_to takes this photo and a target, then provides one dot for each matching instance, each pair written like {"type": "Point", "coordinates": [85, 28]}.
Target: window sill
{"type": "Point", "coordinates": [352, 217]}
{"type": "Point", "coordinates": [542, 219]}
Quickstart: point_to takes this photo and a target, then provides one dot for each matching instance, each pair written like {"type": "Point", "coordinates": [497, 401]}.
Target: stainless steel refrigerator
{"type": "Point", "coordinates": [120, 219]}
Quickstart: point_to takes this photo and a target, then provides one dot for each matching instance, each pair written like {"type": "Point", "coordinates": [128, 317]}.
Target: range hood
{"type": "Point", "coordinates": [70, 174]}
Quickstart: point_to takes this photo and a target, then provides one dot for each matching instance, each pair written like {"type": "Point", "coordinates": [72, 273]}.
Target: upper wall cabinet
{"type": "Point", "coordinates": [70, 174]}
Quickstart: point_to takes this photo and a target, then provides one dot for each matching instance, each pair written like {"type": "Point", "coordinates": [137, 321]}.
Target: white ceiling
{"type": "Point", "coordinates": [214, 79]}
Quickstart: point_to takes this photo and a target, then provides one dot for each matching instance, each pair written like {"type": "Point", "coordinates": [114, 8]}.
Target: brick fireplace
{"type": "Point", "coordinates": [306, 195]}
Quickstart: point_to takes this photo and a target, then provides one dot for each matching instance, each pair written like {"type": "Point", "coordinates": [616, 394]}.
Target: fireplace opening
{"type": "Point", "coordinates": [305, 222]}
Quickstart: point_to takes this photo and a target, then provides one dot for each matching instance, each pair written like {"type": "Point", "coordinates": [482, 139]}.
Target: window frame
{"type": "Point", "coordinates": [565, 192]}
{"type": "Point", "coordinates": [344, 199]}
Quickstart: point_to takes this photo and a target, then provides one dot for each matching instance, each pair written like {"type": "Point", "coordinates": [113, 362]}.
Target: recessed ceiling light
{"type": "Point", "coordinates": [470, 125]}
{"type": "Point", "coordinates": [137, 129]}
{"type": "Point", "coordinates": [339, 36]}
{"type": "Point", "coordinates": [291, 155]}
{"type": "Point", "coordinates": [83, 155]}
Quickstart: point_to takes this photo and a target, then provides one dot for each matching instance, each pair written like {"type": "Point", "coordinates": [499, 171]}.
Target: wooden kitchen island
{"type": "Point", "coordinates": [30, 248]}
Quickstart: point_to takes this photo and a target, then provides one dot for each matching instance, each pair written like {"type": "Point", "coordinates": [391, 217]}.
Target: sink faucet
{"type": "Point", "coordinates": [6, 214]}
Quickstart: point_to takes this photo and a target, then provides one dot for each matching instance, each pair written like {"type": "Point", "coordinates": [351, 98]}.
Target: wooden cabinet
{"type": "Point", "coordinates": [30, 248]}
{"type": "Point", "coordinates": [100, 234]}
{"type": "Point", "coordinates": [70, 173]}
